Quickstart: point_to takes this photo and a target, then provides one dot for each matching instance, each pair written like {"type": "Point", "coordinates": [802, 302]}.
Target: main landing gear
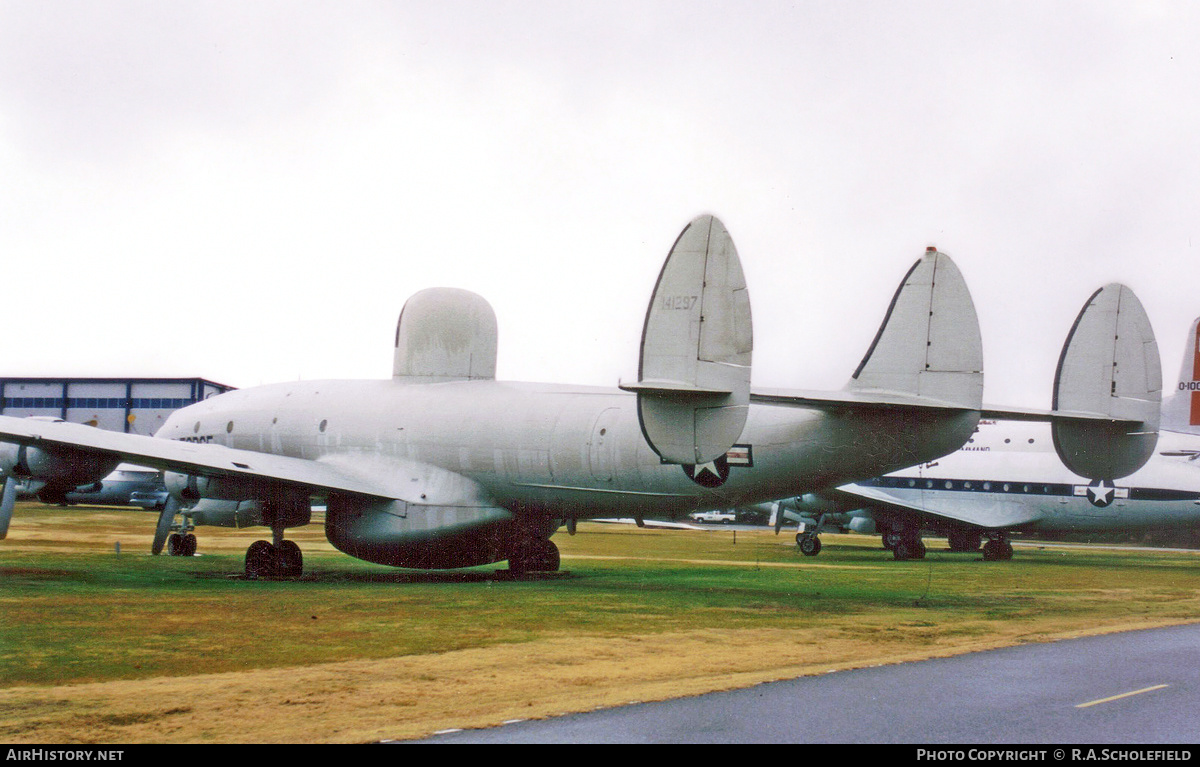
{"type": "Point", "coordinates": [997, 549]}
{"type": "Point", "coordinates": [904, 543]}
{"type": "Point", "coordinates": [536, 555]}
{"type": "Point", "coordinates": [178, 537]}
{"type": "Point", "coordinates": [181, 545]}
{"type": "Point", "coordinates": [278, 559]}
{"type": "Point", "coordinates": [809, 543]}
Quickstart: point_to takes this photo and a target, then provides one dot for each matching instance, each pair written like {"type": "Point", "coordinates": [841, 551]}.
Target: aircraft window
{"type": "Point", "coordinates": [324, 423]}
{"type": "Point", "coordinates": [229, 427]}
{"type": "Point", "coordinates": [1007, 440]}
{"type": "Point", "coordinates": [949, 485]}
{"type": "Point", "coordinates": [967, 485]}
{"type": "Point", "coordinates": [1031, 440]}
{"type": "Point", "coordinates": [987, 485]}
{"type": "Point", "coordinates": [1026, 488]}
{"type": "Point", "coordinates": [912, 483]}
{"type": "Point", "coordinates": [1006, 487]}
{"type": "Point", "coordinates": [603, 432]}
{"type": "Point", "coordinates": [929, 483]}
{"type": "Point", "coordinates": [196, 428]}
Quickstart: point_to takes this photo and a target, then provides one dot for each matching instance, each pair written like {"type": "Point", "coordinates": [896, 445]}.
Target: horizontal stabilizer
{"type": "Point", "coordinates": [1109, 368]}
{"type": "Point", "coordinates": [668, 388]}
{"type": "Point", "coordinates": [862, 400]}
{"type": "Point", "coordinates": [693, 383]}
{"type": "Point", "coordinates": [929, 344]}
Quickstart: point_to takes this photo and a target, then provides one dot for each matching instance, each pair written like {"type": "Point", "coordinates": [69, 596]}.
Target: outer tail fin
{"type": "Point", "coordinates": [1109, 368]}
{"type": "Point", "coordinates": [1181, 410]}
{"type": "Point", "coordinates": [929, 343]}
{"type": "Point", "coordinates": [694, 377]}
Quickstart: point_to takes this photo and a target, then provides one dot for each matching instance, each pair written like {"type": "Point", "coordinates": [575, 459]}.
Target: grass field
{"type": "Point", "coordinates": [104, 647]}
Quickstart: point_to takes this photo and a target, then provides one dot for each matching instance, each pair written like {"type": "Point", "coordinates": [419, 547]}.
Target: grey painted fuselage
{"type": "Point", "coordinates": [560, 451]}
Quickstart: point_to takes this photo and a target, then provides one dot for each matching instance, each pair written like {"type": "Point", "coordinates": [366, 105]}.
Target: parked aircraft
{"type": "Point", "coordinates": [1008, 479]}
{"type": "Point", "coordinates": [442, 466]}
{"type": "Point", "coordinates": [127, 485]}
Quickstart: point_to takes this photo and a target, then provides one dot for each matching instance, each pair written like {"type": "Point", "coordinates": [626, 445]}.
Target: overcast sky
{"type": "Point", "coordinates": [249, 191]}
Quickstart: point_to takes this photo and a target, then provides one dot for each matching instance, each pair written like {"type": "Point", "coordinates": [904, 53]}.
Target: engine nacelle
{"type": "Point", "coordinates": [815, 504]}
{"type": "Point", "coordinates": [863, 524]}
{"type": "Point", "coordinates": [60, 467]}
{"type": "Point", "coordinates": [189, 487]}
{"type": "Point", "coordinates": [237, 514]}
{"type": "Point", "coordinates": [219, 497]}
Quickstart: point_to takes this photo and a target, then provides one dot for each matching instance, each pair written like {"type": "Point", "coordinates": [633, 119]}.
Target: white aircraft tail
{"type": "Point", "coordinates": [1181, 410]}
{"type": "Point", "coordinates": [929, 344]}
{"type": "Point", "coordinates": [694, 376]}
{"type": "Point", "coordinates": [1110, 370]}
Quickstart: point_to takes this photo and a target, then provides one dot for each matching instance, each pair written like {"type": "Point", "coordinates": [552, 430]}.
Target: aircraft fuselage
{"type": "Point", "coordinates": [555, 450]}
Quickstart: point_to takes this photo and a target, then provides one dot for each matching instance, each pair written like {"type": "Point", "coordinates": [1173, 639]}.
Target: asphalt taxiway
{"type": "Point", "coordinates": [1132, 687]}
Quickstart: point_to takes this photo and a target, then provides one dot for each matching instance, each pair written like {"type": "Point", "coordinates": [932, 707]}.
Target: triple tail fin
{"type": "Point", "coordinates": [1181, 409]}
{"type": "Point", "coordinates": [693, 385]}
{"type": "Point", "coordinates": [929, 344]}
{"type": "Point", "coordinates": [1108, 388]}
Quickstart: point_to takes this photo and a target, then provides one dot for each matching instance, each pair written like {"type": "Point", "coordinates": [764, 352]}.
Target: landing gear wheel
{"type": "Point", "coordinates": [261, 561]}
{"type": "Point", "coordinates": [289, 560]}
{"type": "Point", "coordinates": [810, 545]}
{"type": "Point", "coordinates": [175, 545]}
{"type": "Point", "coordinates": [536, 556]}
{"type": "Point", "coordinates": [890, 540]}
{"type": "Point", "coordinates": [188, 546]}
{"type": "Point", "coordinates": [997, 550]}
{"type": "Point", "coordinates": [907, 548]}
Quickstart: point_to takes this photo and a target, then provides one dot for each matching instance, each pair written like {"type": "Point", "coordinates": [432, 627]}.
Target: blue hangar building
{"type": "Point", "coordinates": [131, 405]}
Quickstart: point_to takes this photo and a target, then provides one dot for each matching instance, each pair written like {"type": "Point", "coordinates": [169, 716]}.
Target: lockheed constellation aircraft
{"type": "Point", "coordinates": [442, 466]}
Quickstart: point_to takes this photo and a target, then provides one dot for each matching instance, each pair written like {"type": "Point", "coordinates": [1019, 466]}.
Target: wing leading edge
{"type": "Point", "coordinates": [995, 515]}
{"type": "Point", "coordinates": [314, 476]}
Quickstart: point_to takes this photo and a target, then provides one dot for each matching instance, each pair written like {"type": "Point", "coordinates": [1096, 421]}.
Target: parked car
{"type": "Point", "coordinates": [713, 517]}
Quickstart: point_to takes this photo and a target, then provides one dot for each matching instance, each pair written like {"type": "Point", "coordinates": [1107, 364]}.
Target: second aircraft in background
{"type": "Point", "coordinates": [1009, 479]}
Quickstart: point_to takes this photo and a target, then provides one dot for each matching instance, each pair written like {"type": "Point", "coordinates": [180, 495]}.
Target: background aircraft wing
{"type": "Point", "coordinates": [209, 460]}
{"type": "Point", "coordinates": [650, 523]}
{"type": "Point", "coordinates": [990, 514]}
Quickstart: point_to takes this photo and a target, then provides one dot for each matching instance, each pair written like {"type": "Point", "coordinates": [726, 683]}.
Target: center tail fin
{"type": "Point", "coordinates": [1109, 373]}
{"type": "Point", "coordinates": [1181, 410]}
{"type": "Point", "coordinates": [929, 344]}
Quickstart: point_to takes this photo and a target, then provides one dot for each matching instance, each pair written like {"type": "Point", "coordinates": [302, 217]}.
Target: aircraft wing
{"type": "Point", "coordinates": [209, 460]}
{"type": "Point", "coordinates": [866, 399]}
{"type": "Point", "coordinates": [991, 514]}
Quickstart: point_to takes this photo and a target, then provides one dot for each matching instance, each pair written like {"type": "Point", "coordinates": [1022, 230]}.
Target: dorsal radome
{"type": "Point", "coordinates": [445, 334]}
